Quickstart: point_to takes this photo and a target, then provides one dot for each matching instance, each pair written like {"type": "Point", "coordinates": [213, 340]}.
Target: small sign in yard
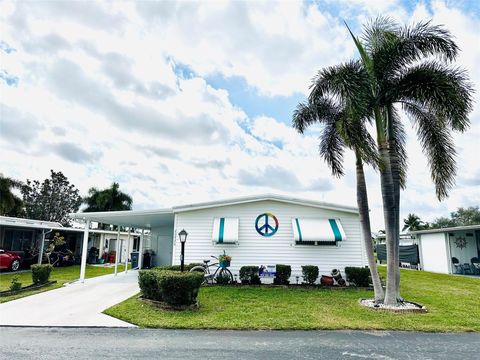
{"type": "Point", "coordinates": [267, 271]}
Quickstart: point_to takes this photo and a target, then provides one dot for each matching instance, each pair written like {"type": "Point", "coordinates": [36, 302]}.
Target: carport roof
{"type": "Point", "coordinates": [144, 219]}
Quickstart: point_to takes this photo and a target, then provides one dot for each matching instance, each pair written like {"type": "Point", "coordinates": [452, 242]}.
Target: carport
{"type": "Point", "coordinates": [138, 219]}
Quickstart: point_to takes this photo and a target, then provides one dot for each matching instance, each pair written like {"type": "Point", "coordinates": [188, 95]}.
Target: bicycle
{"type": "Point", "coordinates": [208, 277]}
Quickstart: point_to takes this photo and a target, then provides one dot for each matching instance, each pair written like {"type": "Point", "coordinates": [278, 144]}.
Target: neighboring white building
{"type": "Point", "coordinates": [441, 248]}
{"type": "Point", "coordinates": [256, 230]}
{"type": "Point", "coordinates": [21, 236]}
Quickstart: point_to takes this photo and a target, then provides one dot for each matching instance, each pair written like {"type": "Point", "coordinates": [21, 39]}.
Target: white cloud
{"type": "Point", "coordinates": [99, 99]}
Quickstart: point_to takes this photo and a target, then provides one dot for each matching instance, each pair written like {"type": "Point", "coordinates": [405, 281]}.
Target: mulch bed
{"type": "Point", "coordinates": [26, 288]}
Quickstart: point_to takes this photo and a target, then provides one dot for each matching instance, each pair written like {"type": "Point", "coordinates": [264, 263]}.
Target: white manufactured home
{"type": "Point", "coordinates": [257, 230]}
{"type": "Point", "coordinates": [454, 250]}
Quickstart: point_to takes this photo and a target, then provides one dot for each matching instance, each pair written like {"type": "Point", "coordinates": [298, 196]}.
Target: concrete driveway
{"type": "Point", "coordinates": [76, 304]}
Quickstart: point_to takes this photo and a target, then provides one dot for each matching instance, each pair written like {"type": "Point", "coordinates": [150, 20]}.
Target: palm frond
{"type": "Point", "coordinates": [444, 90]}
{"type": "Point", "coordinates": [323, 109]}
{"type": "Point", "coordinates": [438, 146]}
{"type": "Point", "coordinates": [348, 81]}
{"type": "Point", "coordinates": [331, 148]}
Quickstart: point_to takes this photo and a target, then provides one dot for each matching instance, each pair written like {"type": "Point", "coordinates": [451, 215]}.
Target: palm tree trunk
{"type": "Point", "coordinates": [396, 186]}
{"type": "Point", "coordinates": [362, 203]}
{"type": "Point", "coordinates": [388, 198]}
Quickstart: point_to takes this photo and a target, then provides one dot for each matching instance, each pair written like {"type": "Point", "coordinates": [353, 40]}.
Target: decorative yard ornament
{"type": "Point", "coordinates": [461, 242]}
{"type": "Point", "coordinates": [264, 222]}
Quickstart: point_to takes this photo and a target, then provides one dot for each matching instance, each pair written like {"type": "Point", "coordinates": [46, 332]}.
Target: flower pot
{"type": "Point", "coordinates": [326, 280]}
{"type": "Point", "coordinates": [224, 264]}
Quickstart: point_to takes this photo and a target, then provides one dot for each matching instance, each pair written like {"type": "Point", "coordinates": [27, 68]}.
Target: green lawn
{"type": "Point", "coordinates": [61, 274]}
{"type": "Point", "coordinates": [452, 301]}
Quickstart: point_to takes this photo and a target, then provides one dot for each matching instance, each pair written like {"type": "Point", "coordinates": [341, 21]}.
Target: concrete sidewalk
{"type": "Point", "coordinates": [76, 304]}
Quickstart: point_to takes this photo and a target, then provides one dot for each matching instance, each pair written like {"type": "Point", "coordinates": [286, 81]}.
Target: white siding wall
{"type": "Point", "coordinates": [254, 249]}
{"type": "Point", "coordinates": [467, 253]}
{"type": "Point", "coordinates": [434, 252]}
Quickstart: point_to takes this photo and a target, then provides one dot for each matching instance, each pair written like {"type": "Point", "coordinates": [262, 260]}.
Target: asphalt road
{"type": "Point", "coordinates": [116, 343]}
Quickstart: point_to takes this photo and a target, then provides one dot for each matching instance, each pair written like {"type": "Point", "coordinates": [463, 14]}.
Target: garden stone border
{"type": "Point", "coordinates": [163, 305]}
{"type": "Point", "coordinates": [26, 288]}
{"type": "Point", "coordinates": [421, 309]}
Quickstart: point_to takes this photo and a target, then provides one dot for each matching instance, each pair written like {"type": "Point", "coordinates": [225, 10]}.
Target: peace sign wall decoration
{"type": "Point", "coordinates": [266, 224]}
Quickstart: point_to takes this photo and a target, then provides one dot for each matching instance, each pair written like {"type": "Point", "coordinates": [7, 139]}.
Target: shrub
{"type": "Point", "coordinates": [249, 275]}
{"type": "Point", "coordinates": [283, 274]}
{"type": "Point", "coordinates": [310, 273]}
{"type": "Point", "coordinates": [222, 279]}
{"type": "Point", "coordinates": [358, 276]}
{"type": "Point", "coordinates": [15, 285]}
{"type": "Point", "coordinates": [149, 284]}
{"type": "Point", "coordinates": [41, 273]}
{"type": "Point", "coordinates": [180, 288]}
{"type": "Point", "coordinates": [187, 267]}
{"type": "Point", "coordinates": [173, 287]}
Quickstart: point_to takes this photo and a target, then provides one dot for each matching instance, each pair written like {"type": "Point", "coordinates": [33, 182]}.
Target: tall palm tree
{"type": "Point", "coordinates": [110, 199]}
{"type": "Point", "coordinates": [410, 68]}
{"type": "Point", "coordinates": [330, 104]}
{"type": "Point", "coordinates": [413, 223]}
{"type": "Point", "coordinates": [10, 204]}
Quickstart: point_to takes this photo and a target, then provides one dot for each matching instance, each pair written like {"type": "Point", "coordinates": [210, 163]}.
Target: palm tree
{"type": "Point", "coordinates": [413, 223]}
{"type": "Point", "coordinates": [436, 97]}
{"type": "Point", "coordinates": [10, 204]}
{"type": "Point", "coordinates": [110, 199]}
{"type": "Point", "coordinates": [330, 104]}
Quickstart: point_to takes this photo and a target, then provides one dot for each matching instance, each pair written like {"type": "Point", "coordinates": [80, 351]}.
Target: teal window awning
{"type": "Point", "coordinates": [317, 231]}
{"type": "Point", "coordinates": [225, 230]}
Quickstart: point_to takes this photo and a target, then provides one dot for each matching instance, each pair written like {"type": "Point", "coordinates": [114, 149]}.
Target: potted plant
{"type": "Point", "coordinates": [224, 260]}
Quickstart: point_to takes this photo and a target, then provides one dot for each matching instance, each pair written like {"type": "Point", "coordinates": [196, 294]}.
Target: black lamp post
{"type": "Point", "coordinates": [183, 238]}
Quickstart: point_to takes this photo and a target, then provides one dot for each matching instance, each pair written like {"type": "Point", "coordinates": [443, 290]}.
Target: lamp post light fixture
{"type": "Point", "coordinates": [182, 235]}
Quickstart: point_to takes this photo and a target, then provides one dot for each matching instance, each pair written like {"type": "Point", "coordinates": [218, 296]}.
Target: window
{"type": "Point", "coordinates": [317, 231]}
{"type": "Point", "coordinates": [18, 240]}
{"type": "Point", "coordinates": [136, 243]}
{"type": "Point", "coordinates": [225, 230]}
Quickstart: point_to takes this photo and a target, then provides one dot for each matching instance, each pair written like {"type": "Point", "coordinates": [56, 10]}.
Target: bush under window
{"type": "Point", "coordinates": [310, 273]}
{"type": "Point", "coordinates": [41, 273]}
{"type": "Point", "coordinates": [249, 275]}
{"type": "Point", "coordinates": [358, 276]}
{"type": "Point", "coordinates": [283, 274]}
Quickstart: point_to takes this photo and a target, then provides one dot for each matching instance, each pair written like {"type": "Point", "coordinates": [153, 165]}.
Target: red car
{"type": "Point", "coordinates": [9, 260]}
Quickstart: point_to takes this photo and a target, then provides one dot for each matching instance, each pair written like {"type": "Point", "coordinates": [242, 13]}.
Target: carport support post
{"type": "Point", "coordinates": [126, 252]}
{"type": "Point", "coordinates": [140, 250]}
{"type": "Point", "coordinates": [117, 250]}
{"type": "Point", "coordinates": [83, 264]}
{"type": "Point", "coordinates": [42, 247]}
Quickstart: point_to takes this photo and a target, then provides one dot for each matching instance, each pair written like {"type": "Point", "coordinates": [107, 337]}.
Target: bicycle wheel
{"type": "Point", "coordinates": [200, 269]}
{"type": "Point", "coordinates": [226, 273]}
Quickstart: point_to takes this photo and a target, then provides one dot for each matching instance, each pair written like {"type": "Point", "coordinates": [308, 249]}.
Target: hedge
{"type": "Point", "coordinates": [187, 267]}
{"type": "Point", "coordinates": [170, 286]}
{"type": "Point", "coordinates": [223, 279]}
{"type": "Point", "coordinates": [249, 275]}
{"type": "Point", "coordinates": [283, 274]}
{"type": "Point", "coordinates": [310, 273]}
{"type": "Point", "coordinates": [41, 273]}
{"type": "Point", "coordinates": [358, 276]}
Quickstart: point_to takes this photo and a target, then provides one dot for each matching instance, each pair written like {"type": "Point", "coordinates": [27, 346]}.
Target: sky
{"type": "Point", "coordinates": [183, 102]}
